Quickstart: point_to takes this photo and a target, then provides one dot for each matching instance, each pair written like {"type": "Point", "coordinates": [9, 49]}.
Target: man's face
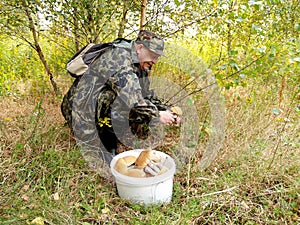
{"type": "Point", "coordinates": [146, 57]}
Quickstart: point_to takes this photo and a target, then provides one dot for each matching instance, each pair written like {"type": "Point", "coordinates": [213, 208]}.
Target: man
{"type": "Point", "coordinates": [114, 94]}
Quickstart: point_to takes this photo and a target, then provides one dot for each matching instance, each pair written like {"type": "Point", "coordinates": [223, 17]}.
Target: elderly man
{"type": "Point", "coordinates": [117, 93]}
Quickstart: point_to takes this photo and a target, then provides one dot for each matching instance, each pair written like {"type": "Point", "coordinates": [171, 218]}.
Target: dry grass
{"type": "Point", "coordinates": [255, 179]}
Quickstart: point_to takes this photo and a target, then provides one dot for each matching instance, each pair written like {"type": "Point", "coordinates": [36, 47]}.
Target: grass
{"type": "Point", "coordinates": [255, 179]}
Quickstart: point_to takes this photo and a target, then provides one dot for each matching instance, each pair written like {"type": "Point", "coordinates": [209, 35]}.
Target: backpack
{"type": "Point", "coordinates": [80, 61]}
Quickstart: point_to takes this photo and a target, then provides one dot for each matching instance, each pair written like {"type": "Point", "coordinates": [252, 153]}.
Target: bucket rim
{"type": "Point", "coordinates": [142, 181]}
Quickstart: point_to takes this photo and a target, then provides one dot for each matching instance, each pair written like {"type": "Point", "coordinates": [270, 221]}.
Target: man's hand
{"type": "Point", "coordinates": [167, 117]}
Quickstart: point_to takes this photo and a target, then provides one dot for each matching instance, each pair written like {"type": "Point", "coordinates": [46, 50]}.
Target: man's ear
{"type": "Point", "coordinates": [138, 47]}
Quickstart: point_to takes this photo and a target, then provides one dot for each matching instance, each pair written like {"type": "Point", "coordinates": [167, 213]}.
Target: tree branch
{"type": "Point", "coordinates": [38, 49]}
{"type": "Point", "coordinates": [209, 85]}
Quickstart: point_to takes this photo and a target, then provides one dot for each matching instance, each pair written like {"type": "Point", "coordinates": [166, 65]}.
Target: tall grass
{"type": "Point", "coordinates": [255, 179]}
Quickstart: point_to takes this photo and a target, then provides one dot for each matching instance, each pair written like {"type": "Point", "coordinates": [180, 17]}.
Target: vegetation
{"type": "Point", "coordinates": [252, 48]}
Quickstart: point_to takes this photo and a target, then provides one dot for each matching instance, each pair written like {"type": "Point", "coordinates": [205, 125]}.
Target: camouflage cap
{"type": "Point", "coordinates": [151, 41]}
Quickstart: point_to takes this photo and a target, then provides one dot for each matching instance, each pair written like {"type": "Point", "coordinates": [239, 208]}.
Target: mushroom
{"type": "Point", "coordinates": [146, 157]}
{"type": "Point", "coordinates": [124, 166]}
{"type": "Point", "coordinates": [148, 163]}
{"type": "Point", "coordinates": [176, 110]}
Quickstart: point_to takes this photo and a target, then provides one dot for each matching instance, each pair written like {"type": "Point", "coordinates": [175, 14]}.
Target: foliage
{"type": "Point", "coordinates": [17, 64]}
{"type": "Point", "coordinates": [20, 65]}
{"type": "Point", "coordinates": [239, 33]}
{"type": "Point", "coordinates": [86, 20]}
{"type": "Point", "coordinates": [228, 35]}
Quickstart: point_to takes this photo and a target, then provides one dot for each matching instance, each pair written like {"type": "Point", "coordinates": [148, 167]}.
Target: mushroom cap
{"type": "Point", "coordinates": [176, 110]}
{"type": "Point", "coordinates": [135, 173]}
{"type": "Point", "coordinates": [122, 164]}
{"type": "Point", "coordinates": [143, 159]}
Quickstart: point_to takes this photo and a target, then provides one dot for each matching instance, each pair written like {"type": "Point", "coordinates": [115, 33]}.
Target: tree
{"type": "Point", "coordinates": [90, 21]}
{"type": "Point", "coordinates": [143, 14]}
{"type": "Point", "coordinates": [232, 34]}
{"type": "Point", "coordinates": [22, 16]}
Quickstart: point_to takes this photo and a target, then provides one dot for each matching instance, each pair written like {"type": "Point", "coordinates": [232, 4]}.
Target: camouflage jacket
{"type": "Point", "coordinates": [113, 90]}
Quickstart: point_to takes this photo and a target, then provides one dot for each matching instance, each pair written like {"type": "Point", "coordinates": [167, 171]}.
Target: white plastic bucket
{"type": "Point", "coordinates": [149, 190]}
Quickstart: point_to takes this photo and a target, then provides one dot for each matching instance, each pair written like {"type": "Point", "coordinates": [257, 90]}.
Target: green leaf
{"type": "Point", "coordinates": [234, 65]}
{"type": "Point", "coordinates": [233, 52]}
{"type": "Point", "coordinates": [177, 3]}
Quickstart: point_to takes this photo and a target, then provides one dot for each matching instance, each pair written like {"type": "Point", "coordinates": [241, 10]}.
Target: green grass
{"type": "Point", "coordinates": [44, 175]}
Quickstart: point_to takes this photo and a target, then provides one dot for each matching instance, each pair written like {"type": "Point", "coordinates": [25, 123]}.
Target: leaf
{"type": "Point", "coordinates": [105, 210]}
{"type": "Point", "coordinates": [234, 52]}
{"type": "Point", "coordinates": [25, 197]}
{"type": "Point", "coordinates": [55, 196]}
{"type": "Point", "coordinates": [25, 187]}
{"type": "Point", "coordinates": [38, 221]}
{"type": "Point", "coordinates": [177, 3]}
{"type": "Point", "coordinates": [234, 65]}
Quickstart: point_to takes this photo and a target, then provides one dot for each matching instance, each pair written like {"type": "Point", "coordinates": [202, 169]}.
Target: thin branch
{"type": "Point", "coordinates": [143, 14]}
{"type": "Point", "coordinates": [191, 23]}
{"type": "Point", "coordinates": [209, 85]}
